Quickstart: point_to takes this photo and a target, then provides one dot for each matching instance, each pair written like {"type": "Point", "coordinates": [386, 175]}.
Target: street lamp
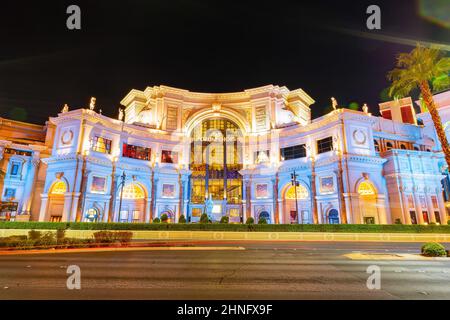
{"type": "Point", "coordinates": [121, 185]}
{"type": "Point", "coordinates": [295, 183]}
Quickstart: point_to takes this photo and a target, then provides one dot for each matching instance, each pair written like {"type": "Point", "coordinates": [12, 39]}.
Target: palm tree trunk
{"type": "Point", "coordinates": [429, 102]}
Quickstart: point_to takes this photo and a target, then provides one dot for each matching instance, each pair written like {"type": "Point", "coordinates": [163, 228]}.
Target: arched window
{"type": "Point", "coordinates": [59, 187]}
{"type": "Point", "coordinates": [333, 216]}
{"type": "Point", "coordinates": [416, 148]}
{"type": "Point", "coordinates": [133, 191]}
{"type": "Point", "coordinates": [403, 147]}
{"type": "Point", "coordinates": [302, 193]}
{"type": "Point", "coordinates": [389, 146]}
{"type": "Point", "coordinates": [366, 188]}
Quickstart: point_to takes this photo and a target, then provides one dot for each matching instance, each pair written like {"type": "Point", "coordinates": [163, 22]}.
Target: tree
{"type": "Point", "coordinates": [426, 69]}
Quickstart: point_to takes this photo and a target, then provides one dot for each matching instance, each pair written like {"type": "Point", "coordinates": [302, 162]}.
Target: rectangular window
{"type": "Point", "coordinates": [123, 216]}
{"type": "Point", "coordinates": [387, 114]}
{"type": "Point", "coordinates": [100, 144]}
{"type": "Point", "coordinates": [294, 152]}
{"type": "Point", "coordinates": [369, 220]}
{"type": "Point", "coordinates": [437, 217]}
{"type": "Point", "coordinates": [136, 152]}
{"type": "Point", "coordinates": [324, 145]}
{"type": "Point", "coordinates": [169, 156]}
{"type": "Point", "coordinates": [172, 118]}
{"type": "Point", "coordinates": [412, 214]}
{"type": "Point", "coordinates": [425, 217]}
{"type": "Point", "coordinates": [10, 193]}
{"type": "Point", "coordinates": [136, 215]}
{"type": "Point", "coordinates": [407, 115]}
{"type": "Point", "coordinates": [15, 169]}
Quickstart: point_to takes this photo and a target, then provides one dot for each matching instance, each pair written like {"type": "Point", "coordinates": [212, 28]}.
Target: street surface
{"type": "Point", "coordinates": [264, 270]}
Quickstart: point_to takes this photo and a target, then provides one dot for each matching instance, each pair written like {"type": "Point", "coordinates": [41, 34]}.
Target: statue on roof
{"type": "Point", "coordinates": [92, 103]}
{"type": "Point", "coordinates": [65, 108]}
{"type": "Point", "coordinates": [334, 103]}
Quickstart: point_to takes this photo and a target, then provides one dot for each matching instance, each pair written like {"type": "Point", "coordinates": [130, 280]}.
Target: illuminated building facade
{"type": "Point", "coordinates": [176, 152]}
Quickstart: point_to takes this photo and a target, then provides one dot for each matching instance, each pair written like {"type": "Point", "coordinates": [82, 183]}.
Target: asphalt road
{"type": "Point", "coordinates": [294, 270]}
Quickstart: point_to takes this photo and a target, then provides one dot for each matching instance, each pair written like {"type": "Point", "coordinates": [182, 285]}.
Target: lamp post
{"type": "Point", "coordinates": [122, 183]}
{"type": "Point", "coordinates": [295, 183]}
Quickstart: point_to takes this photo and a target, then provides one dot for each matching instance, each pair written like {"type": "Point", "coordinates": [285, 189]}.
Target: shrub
{"type": "Point", "coordinates": [104, 237]}
{"type": "Point", "coordinates": [47, 239]}
{"type": "Point", "coordinates": [164, 218]}
{"type": "Point", "coordinates": [433, 249]}
{"type": "Point", "coordinates": [250, 220]}
{"type": "Point", "coordinates": [262, 221]}
{"type": "Point", "coordinates": [108, 237]}
{"type": "Point", "coordinates": [123, 237]}
{"type": "Point", "coordinates": [398, 221]}
{"type": "Point", "coordinates": [182, 219]}
{"type": "Point", "coordinates": [224, 219]}
{"type": "Point", "coordinates": [156, 220]}
{"type": "Point", "coordinates": [34, 235]}
{"type": "Point", "coordinates": [60, 235]}
{"type": "Point", "coordinates": [448, 222]}
{"type": "Point", "coordinates": [204, 218]}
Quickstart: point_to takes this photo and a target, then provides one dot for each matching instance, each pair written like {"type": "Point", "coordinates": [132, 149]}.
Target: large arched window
{"type": "Point", "coordinates": [366, 188]}
{"type": "Point", "coordinates": [59, 187]}
{"type": "Point", "coordinates": [133, 191]}
{"type": "Point", "coordinates": [302, 193]}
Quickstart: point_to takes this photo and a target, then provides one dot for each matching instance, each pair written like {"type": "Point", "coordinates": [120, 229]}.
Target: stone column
{"type": "Point", "coordinates": [442, 210]}
{"type": "Point", "coordinates": [418, 205]}
{"type": "Point", "coordinates": [2, 150]}
{"type": "Point", "coordinates": [280, 210]}
{"type": "Point", "coordinates": [431, 209]}
{"type": "Point", "coordinates": [74, 214]}
{"type": "Point", "coordinates": [148, 203]}
{"type": "Point", "coordinates": [249, 201]}
{"type": "Point", "coordinates": [44, 205]}
{"type": "Point", "coordinates": [68, 216]}
{"type": "Point", "coordinates": [29, 186]}
{"type": "Point", "coordinates": [312, 179]}
{"type": "Point", "coordinates": [106, 212]}
{"type": "Point", "coordinates": [275, 212]}
{"type": "Point", "coordinates": [185, 197]}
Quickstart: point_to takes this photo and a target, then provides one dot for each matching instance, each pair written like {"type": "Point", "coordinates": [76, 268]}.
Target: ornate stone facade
{"type": "Point", "coordinates": [173, 150]}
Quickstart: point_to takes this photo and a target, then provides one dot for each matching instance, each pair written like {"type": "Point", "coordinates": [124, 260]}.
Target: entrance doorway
{"type": "Point", "coordinates": [215, 161]}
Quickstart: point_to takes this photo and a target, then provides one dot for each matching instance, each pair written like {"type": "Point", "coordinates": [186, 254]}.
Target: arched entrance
{"type": "Point", "coordinates": [368, 202]}
{"type": "Point", "coordinates": [92, 215]}
{"type": "Point", "coordinates": [304, 205]}
{"type": "Point", "coordinates": [56, 201]}
{"type": "Point", "coordinates": [215, 161]}
{"type": "Point", "coordinates": [133, 203]}
{"type": "Point", "coordinates": [264, 215]}
{"type": "Point", "coordinates": [333, 216]}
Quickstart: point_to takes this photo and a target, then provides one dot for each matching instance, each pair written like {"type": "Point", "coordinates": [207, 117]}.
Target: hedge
{"type": "Point", "coordinates": [367, 228]}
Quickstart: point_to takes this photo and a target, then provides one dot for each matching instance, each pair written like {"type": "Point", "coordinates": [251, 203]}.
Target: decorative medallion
{"type": "Point", "coordinates": [67, 137]}
{"type": "Point", "coordinates": [359, 136]}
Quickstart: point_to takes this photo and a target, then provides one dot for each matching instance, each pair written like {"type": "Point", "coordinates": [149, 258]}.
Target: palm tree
{"type": "Point", "coordinates": [426, 69]}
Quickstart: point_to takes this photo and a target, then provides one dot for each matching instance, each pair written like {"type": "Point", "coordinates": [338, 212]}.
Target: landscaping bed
{"type": "Point", "coordinates": [352, 228]}
{"type": "Point", "coordinates": [58, 240]}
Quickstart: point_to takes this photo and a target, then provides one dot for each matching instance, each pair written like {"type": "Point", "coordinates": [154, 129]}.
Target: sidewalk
{"type": "Point", "coordinates": [257, 236]}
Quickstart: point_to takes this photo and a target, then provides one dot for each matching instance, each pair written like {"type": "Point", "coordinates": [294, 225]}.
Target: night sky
{"type": "Point", "coordinates": [204, 46]}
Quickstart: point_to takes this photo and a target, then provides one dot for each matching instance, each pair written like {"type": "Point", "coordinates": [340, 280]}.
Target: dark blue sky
{"type": "Point", "coordinates": [206, 46]}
